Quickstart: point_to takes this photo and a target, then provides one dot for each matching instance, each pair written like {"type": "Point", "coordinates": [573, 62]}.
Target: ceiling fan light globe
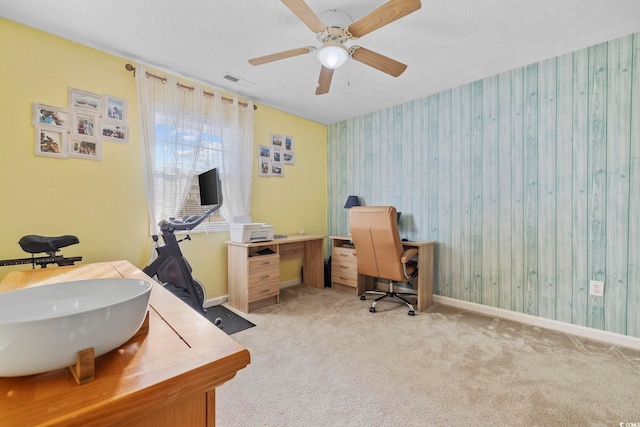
{"type": "Point", "coordinates": [332, 56]}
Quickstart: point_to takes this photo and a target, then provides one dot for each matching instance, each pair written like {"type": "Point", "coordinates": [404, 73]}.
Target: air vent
{"type": "Point", "coordinates": [238, 80]}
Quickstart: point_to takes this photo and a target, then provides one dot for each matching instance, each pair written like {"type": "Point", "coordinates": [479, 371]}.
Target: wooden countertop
{"type": "Point", "coordinates": [410, 243]}
{"type": "Point", "coordinates": [183, 354]}
{"type": "Point", "coordinates": [293, 238]}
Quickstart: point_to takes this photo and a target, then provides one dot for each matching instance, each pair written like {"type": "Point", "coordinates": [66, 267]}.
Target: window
{"type": "Point", "coordinates": [177, 142]}
{"type": "Point", "coordinates": [186, 130]}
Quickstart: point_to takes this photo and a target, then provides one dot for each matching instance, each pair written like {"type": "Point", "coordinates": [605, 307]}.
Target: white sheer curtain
{"type": "Point", "coordinates": [237, 157]}
{"type": "Point", "coordinates": [186, 130]}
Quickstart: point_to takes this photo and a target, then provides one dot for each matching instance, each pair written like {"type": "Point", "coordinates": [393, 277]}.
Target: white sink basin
{"type": "Point", "coordinates": [42, 328]}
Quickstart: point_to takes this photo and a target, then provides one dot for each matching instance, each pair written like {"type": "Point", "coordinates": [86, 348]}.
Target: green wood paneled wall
{"type": "Point", "coordinates": [529, 181]}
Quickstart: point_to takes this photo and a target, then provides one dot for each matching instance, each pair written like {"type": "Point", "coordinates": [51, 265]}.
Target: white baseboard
{"type": "Point", "coordinates": [581, 331]}
{"type": "Point", "coordinates": [291, 282]}
{"type": "Point", "coordinates": [216, 301]}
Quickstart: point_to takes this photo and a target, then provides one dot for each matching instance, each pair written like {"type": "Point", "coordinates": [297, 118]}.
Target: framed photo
{"type": "Point", "coordinates": [85, 100]}
{"type": "Point", "coordinates": [50, 116]}
{"type": "Point", "coordinates": [85, 124]}
{"type": "Point", "coordinates": [277, 155]}
{"type": "Point", "coordinates": [84, 149]}
{"type": "Point", "coordinates": [114, 131]}
{"type": "Point", "coordinates": [264, 153]}
{"type": "Point", "coordinates": [264, 168]}
{"type": "Point", "coordinates": [50, 141]}
{"type": "Point", "coordinates": [277, 169]}
{"type": "Point", "coordinates": [288, 143]}
{"type": "Point", "coordinates": [114, 109]}
{"type": "Point", "coordinates": [276, 141]}
{"type": "Point", "coordinates": [288, 158]}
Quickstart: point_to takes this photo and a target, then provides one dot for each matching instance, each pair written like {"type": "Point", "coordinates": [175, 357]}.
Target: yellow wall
{"type": "Point", "coordinates": [103, 202]}
{"type": "Point", "coordinates": [299, 199]}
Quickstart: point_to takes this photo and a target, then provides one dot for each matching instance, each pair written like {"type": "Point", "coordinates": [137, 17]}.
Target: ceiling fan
{"type": "Point", "coordinates": [333, 52]}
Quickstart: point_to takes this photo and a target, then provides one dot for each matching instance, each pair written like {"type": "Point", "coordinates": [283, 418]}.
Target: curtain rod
{"type": "Point", "coordinates": [130, 67]}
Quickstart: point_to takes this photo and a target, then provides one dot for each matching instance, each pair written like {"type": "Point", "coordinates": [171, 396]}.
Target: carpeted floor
{"type": "Point", "coordinates": [319, 358]}
{"type": "Point", "coordinates": [229, 321]}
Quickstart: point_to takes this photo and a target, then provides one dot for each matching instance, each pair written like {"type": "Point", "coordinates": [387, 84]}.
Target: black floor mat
{"type": "Point", "coordinates": [230, 322]}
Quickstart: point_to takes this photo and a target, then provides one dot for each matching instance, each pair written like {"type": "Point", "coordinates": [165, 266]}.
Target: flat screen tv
{"type": "Point", "coordinates": [210, 188]}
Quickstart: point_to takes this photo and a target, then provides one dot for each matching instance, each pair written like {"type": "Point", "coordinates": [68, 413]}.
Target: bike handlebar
{"type": "Point", "coordinates": [188, 222]}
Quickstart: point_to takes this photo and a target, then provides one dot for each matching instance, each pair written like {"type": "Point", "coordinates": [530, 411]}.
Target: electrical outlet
{"type": "Point", "coordinates": [596, 288]}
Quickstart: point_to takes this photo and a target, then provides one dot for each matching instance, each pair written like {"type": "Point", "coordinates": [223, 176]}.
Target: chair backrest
{"type": "Point", "coordinates": [374, 232]}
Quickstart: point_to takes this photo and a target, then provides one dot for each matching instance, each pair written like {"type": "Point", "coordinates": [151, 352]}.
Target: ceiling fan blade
{"type": "Point", "coordinates": [378, 61]}
{"type": "Point", "coordinates": [324, 81]}
{"type": "Point", "coordinates": [280, 55]}
{"type": "Point", "coordinates": [385, 14]}
{"type": "Point", "coordinates": [306, 15]}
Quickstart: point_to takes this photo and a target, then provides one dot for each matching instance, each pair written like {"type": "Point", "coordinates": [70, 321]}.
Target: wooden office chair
{"type": "Point", "coordinates": [379, 250]}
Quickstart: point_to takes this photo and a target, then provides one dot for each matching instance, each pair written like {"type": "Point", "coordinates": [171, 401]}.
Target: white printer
{"type": "Point", "coordinates": [245, 231]}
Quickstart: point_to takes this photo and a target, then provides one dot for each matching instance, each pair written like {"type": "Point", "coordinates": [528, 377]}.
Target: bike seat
{"type": "Point", "coordinates": [34, 244]}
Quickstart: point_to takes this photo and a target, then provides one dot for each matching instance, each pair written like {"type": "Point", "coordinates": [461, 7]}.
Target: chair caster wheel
{"type": "Point", "coordinates": [412, 313]}
{"type": "Point", "coordinates": [372, 309]}
{"type": "Point", "coordinates": [362, 298]}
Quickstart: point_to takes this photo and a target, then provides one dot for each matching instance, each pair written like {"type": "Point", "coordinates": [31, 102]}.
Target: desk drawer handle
{"type": "Point", "coordinates": [266, 276]}
{"type": "Point", "coordinates": [266, 263]}
{"type": "Point", "coordinates": [344, 278]}
{"type": "Point", "coordinates": [344, 255]}
{"type": "Point", "coordinates": [344, 266]}
{"type": "Point", "coordinates": [264, 291]}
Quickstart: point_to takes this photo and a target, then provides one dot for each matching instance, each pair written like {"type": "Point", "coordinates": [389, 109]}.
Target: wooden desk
{"type": "Point", "coordinates": [424, 281]}
{"type": "Point", "coordinates": [166, 377]}
{"type": "Point", "coordinates": [254, 279]}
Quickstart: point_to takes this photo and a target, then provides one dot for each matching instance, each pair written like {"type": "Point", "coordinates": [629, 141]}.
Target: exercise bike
{"type": "Point", "coordinates": [171, 268]}
{"type": "Point", "coordinates": [35, 244]}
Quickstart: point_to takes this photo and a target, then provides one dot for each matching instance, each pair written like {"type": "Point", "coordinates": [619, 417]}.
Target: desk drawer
{"type": "Point", "coordinates": [261, 292]}
{"type": "Point", "coordinates": [262, 277]}
{"type": "Point", "coordinates": [344, 267]}
{"type": "Point", "coordinates": [263, 262]}
{"type": "Point", "coordinates": [343, 255]}
{"type": "Point", "coordinates": [344, 273]}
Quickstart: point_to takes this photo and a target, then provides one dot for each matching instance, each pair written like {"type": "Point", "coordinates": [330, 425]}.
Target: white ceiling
{"type": "Point", "coordinates": [445, 44]}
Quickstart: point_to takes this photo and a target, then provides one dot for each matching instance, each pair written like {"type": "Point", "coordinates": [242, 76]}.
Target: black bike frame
{"type": "Point", "coordinates": [171, 246]}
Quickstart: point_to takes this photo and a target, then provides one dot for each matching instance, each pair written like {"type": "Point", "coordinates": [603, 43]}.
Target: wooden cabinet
{"type": "Point", "coordinates": [254, 276]}
{"type": "Point", "coordinates": [264, 277]}
{"type": "Point", "coordinates": [344, 265]}
{"type": "Point", "coordinates": [166, 377]}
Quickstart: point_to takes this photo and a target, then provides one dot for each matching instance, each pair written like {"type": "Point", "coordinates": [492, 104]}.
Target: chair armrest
{"type": "Point", "coordinates": [408, 254]}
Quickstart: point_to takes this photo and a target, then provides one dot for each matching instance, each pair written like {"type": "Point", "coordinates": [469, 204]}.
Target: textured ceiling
{"type": "Point", "coordinates": [445, 44]}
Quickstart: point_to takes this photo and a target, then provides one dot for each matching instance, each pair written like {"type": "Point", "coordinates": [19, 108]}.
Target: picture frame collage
{"type": "Point", "coordinates": [272, 158]}
{"type": "Point", "coordinates": [79, 130]}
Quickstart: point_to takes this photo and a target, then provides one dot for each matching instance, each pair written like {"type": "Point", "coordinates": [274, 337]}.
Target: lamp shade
{"type": "Point", "coordinates": [351, 202]}
{"type": "Point", "coordinates": [332, 55]}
